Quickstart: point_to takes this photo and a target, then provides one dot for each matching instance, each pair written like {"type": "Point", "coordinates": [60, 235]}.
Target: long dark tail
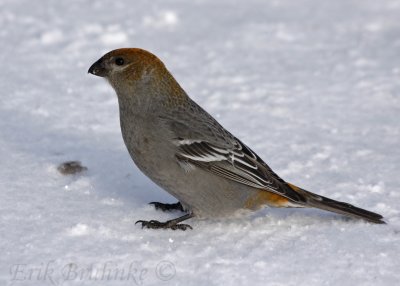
{"type": "Point", "coordinates": [320, 202]}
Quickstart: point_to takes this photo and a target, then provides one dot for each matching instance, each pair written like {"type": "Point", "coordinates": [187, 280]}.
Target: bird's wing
{"type": "Point", "coordinates": [202, 142]}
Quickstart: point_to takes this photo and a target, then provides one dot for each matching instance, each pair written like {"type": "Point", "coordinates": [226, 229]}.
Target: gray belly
{"type": "Point", "coordinates": [201, 192]}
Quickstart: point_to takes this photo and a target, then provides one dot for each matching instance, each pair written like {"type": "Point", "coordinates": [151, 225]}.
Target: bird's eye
{"type": "Point", "coordinates": [119, 61]}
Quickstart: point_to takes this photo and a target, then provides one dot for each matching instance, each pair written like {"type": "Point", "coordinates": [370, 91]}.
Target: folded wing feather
{"type": "Point", "coordinates": [239, 164]}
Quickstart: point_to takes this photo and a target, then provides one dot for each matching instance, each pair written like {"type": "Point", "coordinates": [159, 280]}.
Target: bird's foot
{"type": "Point", "coordinates": [154, 224]}
{"type": "Point", "coordinates": [167, 207]}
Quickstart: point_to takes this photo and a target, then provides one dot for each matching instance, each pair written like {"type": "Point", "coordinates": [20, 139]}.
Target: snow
{"type": "Point", "coordinates": [312, 86]}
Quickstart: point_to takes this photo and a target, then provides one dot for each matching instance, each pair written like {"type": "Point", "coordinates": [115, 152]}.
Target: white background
{"type": "Point", "coordinates": [312, 86]}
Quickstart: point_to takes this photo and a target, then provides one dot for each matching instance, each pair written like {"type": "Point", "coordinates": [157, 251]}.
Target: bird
{"type": "Point", "coordinates": [185, 151]}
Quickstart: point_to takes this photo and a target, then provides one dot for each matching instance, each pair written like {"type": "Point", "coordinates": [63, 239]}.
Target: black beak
{"type": "Point", "coordinates": [98, 68]}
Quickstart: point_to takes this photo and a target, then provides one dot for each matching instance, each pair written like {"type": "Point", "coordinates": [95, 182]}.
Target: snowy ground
{"type": "Point", "coordinates": [312, 86]}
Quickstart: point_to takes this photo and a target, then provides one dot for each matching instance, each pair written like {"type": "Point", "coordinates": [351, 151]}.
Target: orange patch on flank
{"type": "Point", "coordinates": [262, 198]}
{"type": "Point", "coordinates": [295, 188]}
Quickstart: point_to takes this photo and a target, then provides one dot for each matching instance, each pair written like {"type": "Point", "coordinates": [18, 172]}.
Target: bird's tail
{"type": "Point", "coordinates": [320, 202]}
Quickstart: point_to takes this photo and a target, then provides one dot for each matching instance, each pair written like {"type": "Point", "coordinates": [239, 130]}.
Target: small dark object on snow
{"type": "Point", "coordinates": [71, 167]}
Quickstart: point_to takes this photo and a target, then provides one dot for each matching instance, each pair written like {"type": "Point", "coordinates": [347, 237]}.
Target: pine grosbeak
{"type": "Point", "coordinates": [185, 151]}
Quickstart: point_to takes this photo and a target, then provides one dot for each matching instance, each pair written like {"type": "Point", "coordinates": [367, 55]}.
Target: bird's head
{"type": "Point", "coordinates": [138, 75]}
{"type": "Point", "coordinates": [128, 68]}
{"type": "Point", "coordinates": [126, 61]}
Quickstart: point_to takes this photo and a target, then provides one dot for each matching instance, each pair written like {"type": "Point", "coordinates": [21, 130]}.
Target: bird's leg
{"type": "Point", "coordinates": [172, 224]}
{"type": "Point", "coordinates": [167, 207]}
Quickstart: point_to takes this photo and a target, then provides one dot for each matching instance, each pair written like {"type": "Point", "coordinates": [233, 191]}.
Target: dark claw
{"type": "Point", "coordinates": [181, 226]}
{"type": "Point", "coordinates": [167, 207]}
{"type": "Point", "coordinates": [150, 223]}
{"type": "Point", "coordinates": [154, 224]}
